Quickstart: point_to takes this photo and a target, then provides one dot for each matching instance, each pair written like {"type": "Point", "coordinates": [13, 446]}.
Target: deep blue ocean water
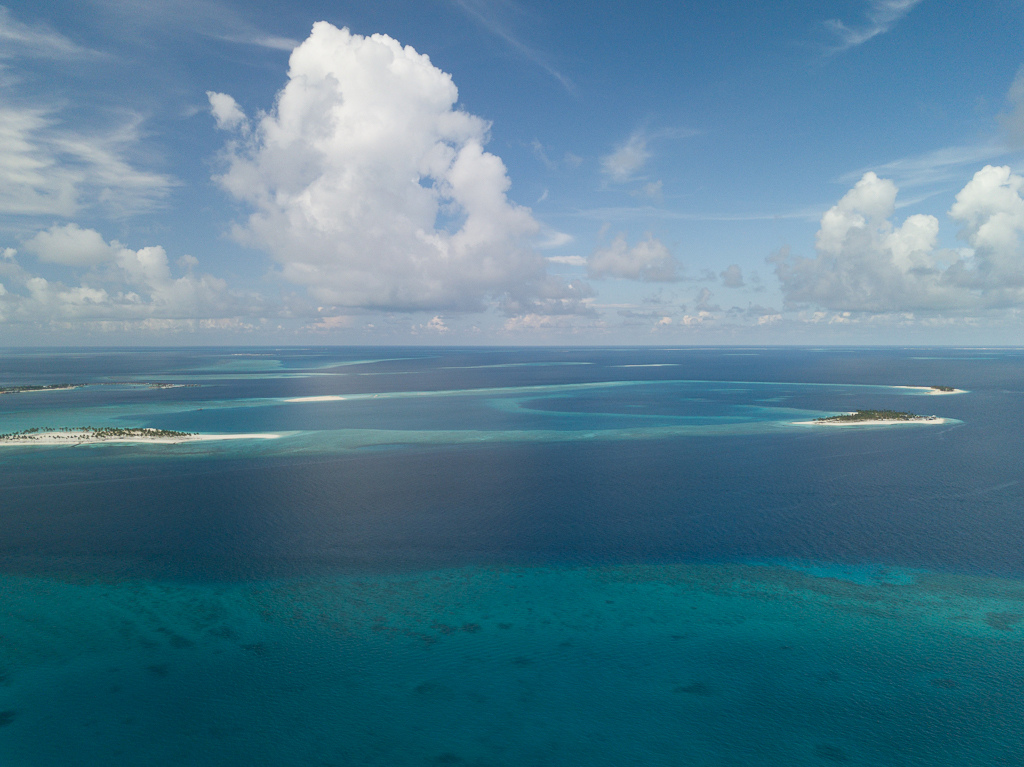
{"type": "Point", "coordinates": [514, 556]}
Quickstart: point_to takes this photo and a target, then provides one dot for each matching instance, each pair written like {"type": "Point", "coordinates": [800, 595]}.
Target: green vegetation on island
{"type": "Point", "coordinates": [874, 415]}
{"type": "Point", "coordinates": [92, 433]}
{"type": "Point", "coordinates": [943, 388]}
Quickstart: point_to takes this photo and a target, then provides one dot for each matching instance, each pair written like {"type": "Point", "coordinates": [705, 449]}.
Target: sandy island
{"type": "Point", "coordinates": [321, 398]}
{"type": "Point", "coordinates": [933, 390]}
{"type": "Point", "coordinates": [83, 437]}
{"type": "Point", "coordinates": [875, 422]}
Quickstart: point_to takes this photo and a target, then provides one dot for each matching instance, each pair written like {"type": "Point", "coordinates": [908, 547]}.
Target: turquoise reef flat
{"type": "Point", "coordinates": [674, 664]}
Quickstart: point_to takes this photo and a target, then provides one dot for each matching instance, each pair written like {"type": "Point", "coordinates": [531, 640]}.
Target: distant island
{"type": "Point", "coordinates": [82, 435]}
{"type": "Point", "coordinates": [934, 389]}
{"type": "Point", "coordinates": [877, 417]}
{"type": "Point", "coordinates": [91, 434]}
{"type": "Point", "coordinates": [69, 386]}
{"type": "Point", "coordinates": [47, 387]}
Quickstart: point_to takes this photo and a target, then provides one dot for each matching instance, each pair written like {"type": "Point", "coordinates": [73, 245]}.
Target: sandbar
{"type": "Point", "coordinates": [321, 398]}
{"type": "Point", "coordinates": [932, 390]}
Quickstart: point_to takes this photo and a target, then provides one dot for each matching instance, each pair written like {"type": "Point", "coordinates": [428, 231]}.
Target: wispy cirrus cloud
{"type": "Point", "coordinates": [627, 160]}
{"type": "Point", "coordinates": [881, 16]}
{"type": "Point", "coordinates": [206, 17]}
{"type": "Point", "coordinates": [936, 167]}
{"type": "Point", "coordinates": [633, 213]}
{"type": "Point", "coordinates": [940, 167]}
{"type": "Point", "coordinates": [489, 14]}
{"type": "Point", "coordinates": [37, 41]}
{"type": "Point", "coordinates": [49, 169]}
{"type": "Point", "coordinates": [1012, 119]}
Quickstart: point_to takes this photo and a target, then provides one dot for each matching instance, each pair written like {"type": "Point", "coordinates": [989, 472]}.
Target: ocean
{"type": "Point", "coordinates": [493, 556]}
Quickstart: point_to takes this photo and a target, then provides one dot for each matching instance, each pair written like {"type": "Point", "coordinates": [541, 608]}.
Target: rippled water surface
{"type": "Point", "coordinates": [507, 557]}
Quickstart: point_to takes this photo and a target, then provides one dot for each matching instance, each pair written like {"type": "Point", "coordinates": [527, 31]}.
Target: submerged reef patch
{"type": "Point", "coordinates": [700, 663]}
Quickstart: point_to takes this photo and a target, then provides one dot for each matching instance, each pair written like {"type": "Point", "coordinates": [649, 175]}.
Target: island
{"type": "Point", "coordinates": [873, 417]}
{"type": "Point", "coordinates": [84, 435]}
{"type": "Point", "coordinates": [46, 387]}
{"type": "Point", "coordinates": [70, 386]}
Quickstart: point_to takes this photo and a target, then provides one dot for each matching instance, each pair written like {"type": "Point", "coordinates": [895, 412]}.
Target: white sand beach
{"type": "Point", "coordinates": [321, 398]}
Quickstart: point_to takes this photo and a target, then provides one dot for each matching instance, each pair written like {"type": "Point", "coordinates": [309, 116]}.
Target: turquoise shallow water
{"type": "Point", "coordinates": [673, 664]}
{"type": "Point", "coordinates": [601, 410]}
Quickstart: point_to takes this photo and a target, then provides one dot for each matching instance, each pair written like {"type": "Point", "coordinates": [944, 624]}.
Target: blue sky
{"type": "Point", "coordinates": [511, 172]}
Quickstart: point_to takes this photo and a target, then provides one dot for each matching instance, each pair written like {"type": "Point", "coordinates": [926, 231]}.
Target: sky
{"type": "Point", "coordinates": [493, 172]}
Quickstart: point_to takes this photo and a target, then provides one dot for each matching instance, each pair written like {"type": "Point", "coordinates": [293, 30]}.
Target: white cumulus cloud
{"type": "Point", "coordinates": [70, 245]}
{"type": "Point", "coordinates": [372, 189]}
{"type": "Point", "coordinates": [225, 111]}
{"type": "Point", "coordinates": [649, 260]}
{"type": "Point", "coordinates": [437, 324]}
{"type": "Point", "coordinates": [627, 159]}
{"type": "Point", "coordinates": [110, 283]}
{"type": "Point", "coordinates": [866, 263]}
{"type": "Point", "coordinates": [991, 211]}
{"type": "Point", "coordinates": [732, 277]}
